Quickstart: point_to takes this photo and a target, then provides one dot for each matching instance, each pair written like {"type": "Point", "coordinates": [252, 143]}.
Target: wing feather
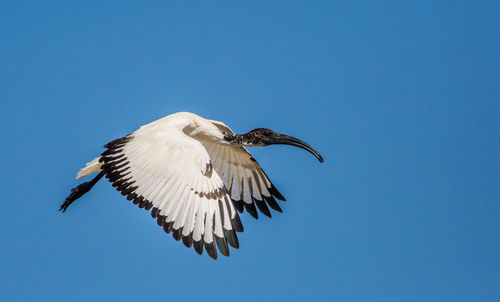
{"type": "Point", "coordinates": [248, 186]}
{"type": "Point", "coordinates": [173, 176]}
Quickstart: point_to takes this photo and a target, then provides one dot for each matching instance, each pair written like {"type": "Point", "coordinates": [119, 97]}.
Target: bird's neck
{"type": "Point", "coordinates": [232, 139]}
{"type": "Point", "coordinates": [247, 139]}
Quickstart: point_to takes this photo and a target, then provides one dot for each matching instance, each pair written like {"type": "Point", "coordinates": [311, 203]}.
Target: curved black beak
{"type": "Point", "coordinates": [281, 139]}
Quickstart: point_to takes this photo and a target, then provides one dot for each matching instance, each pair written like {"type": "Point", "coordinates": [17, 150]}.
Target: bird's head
{"type": "Point", "coordinates": [261, 137]}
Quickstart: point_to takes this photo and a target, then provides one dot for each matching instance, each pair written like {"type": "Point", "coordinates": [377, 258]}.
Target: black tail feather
{"type": "Point", "coordinates": [79, 191]}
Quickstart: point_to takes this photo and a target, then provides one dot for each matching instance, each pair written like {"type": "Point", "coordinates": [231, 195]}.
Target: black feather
{"type": "Point", "coordinates": [231, 238]}
{"type": "Point", "coordinates": [238, 204]}
{"type": "Point", "coordinates": [188, 240]}
{"type": "Point", "coordinates": [222, 245]}
{"type": "Point", "coordinates": [272, 203]}
{"type": "Point", "coordinates": [138, 200]}
{"type": "Point", "coordinates": [118, 142]}
{"type": "Point", "coordinates": [154, 212]}
{"type": "Point", "coordinates": [276, 193]}
{"type": "Point", "coordinates": [148, 206]}
{"type": "Point", "coordinates": [167, 226]}
{"type": "Point", "coordinates": [132, 196]}
{"type": "Point", "coordinates": [198, 247]}
{"type": "Point", "coordinates": [111, 151]}
{"type": "Point", "coordinates": [122, 183]}
{"type": "Point", "coordinates": [177, 234]}
{"type": "Point", "coordinates": [236, 223]}
{"type": "Point", "coordinates": [143, 203]}
{"type": "Point", "coordinates": [108, 159]}
{"type": "Point", "coordinates": [118, 167]}
{"type": "Point", "coordinates": [250, 207]}
{"type": "Point", "coordinates": [129, 189]}
{"type": "Point", "coordinates": [161, 220]}
{"type": "Point", "coordinates": [262, 207]}
{"type": "Point", "coordinates": [211, 251]}
{"type": "Point", "coordinates": [221, 210]}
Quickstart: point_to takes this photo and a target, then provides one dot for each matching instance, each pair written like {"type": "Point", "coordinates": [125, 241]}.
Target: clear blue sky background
{"type": "Point", "coordinates": [400, 97]}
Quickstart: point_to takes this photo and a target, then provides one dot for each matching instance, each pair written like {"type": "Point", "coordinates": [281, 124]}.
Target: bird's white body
{"type": "Point", "coordinates": [194, 174]}
{"type": "Point", "coordinates": [188, 174]}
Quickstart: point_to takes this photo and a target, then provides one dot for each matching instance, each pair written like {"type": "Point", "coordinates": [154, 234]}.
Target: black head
{"type": "Point", "coordinates": [266, 137]}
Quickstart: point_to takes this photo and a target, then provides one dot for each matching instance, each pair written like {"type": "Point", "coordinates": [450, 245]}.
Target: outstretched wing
{"type": "Point", "coordinates": [174, 177]}
{"type": "Point", "coordinates": [247, 183]}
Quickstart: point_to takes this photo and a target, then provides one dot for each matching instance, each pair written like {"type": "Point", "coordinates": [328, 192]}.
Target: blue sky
{"type": "Point", "coordinates": [401, 98]}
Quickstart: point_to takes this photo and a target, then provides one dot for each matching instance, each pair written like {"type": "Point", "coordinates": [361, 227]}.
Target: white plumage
{"type": "Point", "coordinates": [194, 174]}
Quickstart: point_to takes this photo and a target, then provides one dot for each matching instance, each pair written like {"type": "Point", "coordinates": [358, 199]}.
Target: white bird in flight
{"type": "Point", "coordinates": [193, 174]}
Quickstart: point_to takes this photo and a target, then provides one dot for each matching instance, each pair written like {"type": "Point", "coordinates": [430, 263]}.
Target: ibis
{"type": "Point", "coordinates": [194, 174]}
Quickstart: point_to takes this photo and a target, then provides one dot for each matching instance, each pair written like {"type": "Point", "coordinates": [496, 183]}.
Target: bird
{"type": "Point", "coordinates": [194, 174]}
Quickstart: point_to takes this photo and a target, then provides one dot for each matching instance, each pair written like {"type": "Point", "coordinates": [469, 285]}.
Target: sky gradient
{"type": "Point", "coordinates": [401, 98]}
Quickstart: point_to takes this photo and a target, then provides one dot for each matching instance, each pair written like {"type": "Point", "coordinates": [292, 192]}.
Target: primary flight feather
{"type": "Point", "coordinates": [194, 174]}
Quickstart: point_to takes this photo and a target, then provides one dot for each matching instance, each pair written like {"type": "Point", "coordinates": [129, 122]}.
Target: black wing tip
{"type": "Point", "coordinates": [188, 240]}
{"type": "Point", "coordinates": [238, 204]}
{"type": "Point", "coordinates": [250, 207]}
{"type": "Point", "coordinates": [177, 234]}
{"type": "Point", "coordinates": [231, 238]}
{"type": "Point", "coordinates": [116, 172]}
{"type": "Point", "coordinates": [161, 220]}
{"type": "Point", "coordinates": [276, 193]}
{"type": "Point", "coordinates": [222, 245]}
{"type": "Point", "coordinates": [211, 250]}
{"type": "Point", "coordinates": [236, 223]}
{"type": "Point", "coordinates": [198, 246]}
{"type": "Point", "coordinates": [262, 207]}
{"type": "Point", "coordinates": [154, 212]}
{"type": "Point", "coordinates": [118, 142]}
{"type": "Point", "coordinates": [272, 203]}
{"type": "Point", "coordinates": [167, 227]}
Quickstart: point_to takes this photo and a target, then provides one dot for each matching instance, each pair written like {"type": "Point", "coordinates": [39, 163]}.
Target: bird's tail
{"type": "Point", "coordinates": [90, 167]}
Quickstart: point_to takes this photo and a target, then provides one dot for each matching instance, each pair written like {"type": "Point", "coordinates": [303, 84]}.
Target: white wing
{"type": "Point", "coordinates": [173, 176]}
{"type": "Point", "coordinates": [247, 183]}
